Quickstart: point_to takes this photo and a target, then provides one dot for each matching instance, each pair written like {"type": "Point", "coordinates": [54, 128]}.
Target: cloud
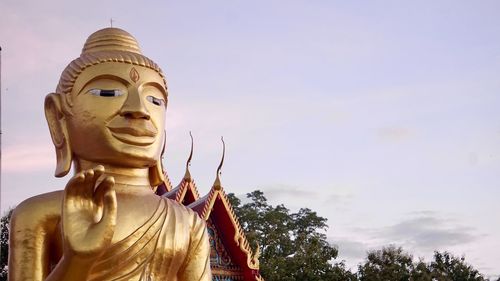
{"type": "Point", "coordinates": [289, 194]}
{"type": "Point", "coordinates": [394, 134]}
{"type": "Point", "coordinates": [350, 249]}
{"type": "Point", "coordinates": [338, 199]}
{"type": "Point", "coordinates": [283, 194]}
{"type": "Point", "coordinates": [280, 191]}
{"type": "Point", "coordinates": [428, 232]}
{"type": "Point", "coordinates": [420, 233]}
{"type": "Point", "coordinates": [22, 158]}
{"type": "Point", "coordinates": [423, 231]}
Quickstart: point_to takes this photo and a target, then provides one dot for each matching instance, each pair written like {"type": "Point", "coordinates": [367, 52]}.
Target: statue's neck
{"type": "Point", "coordinates": [127, 180]}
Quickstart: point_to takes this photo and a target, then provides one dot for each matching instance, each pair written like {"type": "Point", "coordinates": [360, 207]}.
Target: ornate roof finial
{"type": "Point", "coordinates": [217, 184]}
{"type": "Point", "coordinates": [187, 175]}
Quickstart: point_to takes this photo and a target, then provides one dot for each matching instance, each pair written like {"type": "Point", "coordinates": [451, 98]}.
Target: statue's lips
{"type": "Point", "coordinates": [136, 133]}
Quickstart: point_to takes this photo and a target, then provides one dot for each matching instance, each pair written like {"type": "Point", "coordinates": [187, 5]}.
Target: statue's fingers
{"type": "Point", "coordinates": [98, 172]}
{"type": "Point", "coordinates": [70, 199]}
{"type": "Point", "coordinates": [73, 186]}
{"type": "Point", "coordinates": [105, 194]}
{"type": "Point", "coordinates": [87, 189]}
{"type": "Point", "coordinates": [101, 190]}
{"type": "Point", "coordinates": [108, 220]}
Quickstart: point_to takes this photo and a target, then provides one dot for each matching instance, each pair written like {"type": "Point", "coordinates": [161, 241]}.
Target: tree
{"type": "Point", "coordinates": [421, 271]}
{"type": "Point", "coordinates": [293, 246]}
{"type": "Point", "coordinates": [4, 245]}
{"type": "Point", "coordinates": [393, 263]}
{"type": "Point", "coordinates": [340, 273]}
{"type": "Point", "coordinates": [446, 267]}
{"type": "Point", "coordinates": [390, 263]}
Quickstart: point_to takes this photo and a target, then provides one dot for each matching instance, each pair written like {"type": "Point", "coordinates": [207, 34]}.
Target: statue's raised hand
{"type": "Point", "coordinates": [88, 214]}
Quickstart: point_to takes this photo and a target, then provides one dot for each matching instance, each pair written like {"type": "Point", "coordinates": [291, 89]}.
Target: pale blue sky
{"type": "Point", "coordinates": [383, 116]}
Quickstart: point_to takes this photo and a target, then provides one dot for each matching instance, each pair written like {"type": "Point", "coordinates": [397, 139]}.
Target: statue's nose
{"type": "Point", "coordinates": [134, 107]}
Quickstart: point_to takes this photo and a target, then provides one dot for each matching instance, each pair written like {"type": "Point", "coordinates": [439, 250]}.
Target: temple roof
{"type": "Point", "coordinates": [216, 206]}
{"type": "Point", "coordinates": [216, 209]}
{"type": "Point", "coordinates": [185, 193]}
{"type": "Point", "coordinates": [164, 187]}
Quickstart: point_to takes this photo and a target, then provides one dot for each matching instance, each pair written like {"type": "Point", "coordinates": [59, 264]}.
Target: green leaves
{"type": "Point", "coordinates": [293, 245]}
{"type": "Point", "coordinates": [294, 248]}
{"type": "Point", "coordinates": [4, 239]}
{"type": "Point", "coordinates": [390, 263]}
{"type": "Point", "coordinates": [393, 263]}
{"type": "Point", "coordinates": [447, 267]}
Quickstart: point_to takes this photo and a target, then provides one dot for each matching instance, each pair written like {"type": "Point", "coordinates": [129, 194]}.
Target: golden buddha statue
{"type": "Point", "coordinates": [107, 117]}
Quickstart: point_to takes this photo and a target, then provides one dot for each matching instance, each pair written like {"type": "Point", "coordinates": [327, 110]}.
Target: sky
{"type": "Point", "coordinates": [382, 116]}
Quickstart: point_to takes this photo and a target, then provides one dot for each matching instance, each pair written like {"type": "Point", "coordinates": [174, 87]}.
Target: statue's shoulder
{"type": "Point", "coordinates": [178, 207]}
{"type": "Point", "coordinates": [39, 209]}
{"type": "Point", "coordinates": [34, 232]}
{"type": "Point", "coordinates": [186, 213]}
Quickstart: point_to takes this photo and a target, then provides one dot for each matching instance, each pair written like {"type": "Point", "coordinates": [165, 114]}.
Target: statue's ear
{"type": "Point", "coordinates": [59, 133]}
{"type": "Point", "coordinates": [156, 173]}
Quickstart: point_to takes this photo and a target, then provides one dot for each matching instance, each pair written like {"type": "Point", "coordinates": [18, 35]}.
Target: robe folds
{"type": "Point", "coordinates": [171, 246]}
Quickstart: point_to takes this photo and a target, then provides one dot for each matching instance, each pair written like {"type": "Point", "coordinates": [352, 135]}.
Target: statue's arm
{"type": "Point", "coordinates": [71, 214]}
{"type": "Point", "coordinates": [32, 226]}
{"type": "Point", "coordinates": [197, 264]}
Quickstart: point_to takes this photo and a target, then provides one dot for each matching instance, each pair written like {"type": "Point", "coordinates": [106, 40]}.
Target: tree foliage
{"type": "Point", "coordinates": [293, 246]}
{"type": "Point", "coordinates": [4, 244]}
{"type": "Point", "coordinates": [446, 267]}
{"type": "Point", "coordinates": [392, 263]}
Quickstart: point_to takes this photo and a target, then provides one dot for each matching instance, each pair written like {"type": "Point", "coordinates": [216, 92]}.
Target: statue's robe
{"type": "Point", "coordinates": [172, 246]}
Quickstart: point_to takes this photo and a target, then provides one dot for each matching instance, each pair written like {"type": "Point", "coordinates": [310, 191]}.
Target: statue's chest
{"type": "Point", "coordinates": [157, 247]}
{"type": "Point", "coordinates": [134, 219]}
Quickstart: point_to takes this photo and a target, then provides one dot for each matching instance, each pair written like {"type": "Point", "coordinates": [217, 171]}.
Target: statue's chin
{"type": "Point", "coordinates": [125, 160]}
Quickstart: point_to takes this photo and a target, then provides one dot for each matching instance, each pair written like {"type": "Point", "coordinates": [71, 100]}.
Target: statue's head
{"type": "Point", "coordinates": [109, 107]}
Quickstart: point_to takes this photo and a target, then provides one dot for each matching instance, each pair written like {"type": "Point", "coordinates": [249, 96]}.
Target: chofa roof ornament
{"type": "Point", "coordinates": [187, 175]}
{"type": "Point", "coordinates": [217, 184]}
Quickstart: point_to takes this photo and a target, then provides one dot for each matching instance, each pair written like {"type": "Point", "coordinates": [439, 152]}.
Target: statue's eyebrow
{"type": "Point", "coordinates": [159, 87]}
{"type": "Point", "coordinates": [105, 76]}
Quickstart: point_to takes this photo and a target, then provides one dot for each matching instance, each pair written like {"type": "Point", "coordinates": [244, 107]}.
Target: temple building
{"type": "Point", "coordinates": [231, 257]}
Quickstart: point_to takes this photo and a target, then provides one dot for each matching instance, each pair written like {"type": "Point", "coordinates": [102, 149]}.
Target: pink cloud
{"type": "Point", "coordinates": [28, 158]}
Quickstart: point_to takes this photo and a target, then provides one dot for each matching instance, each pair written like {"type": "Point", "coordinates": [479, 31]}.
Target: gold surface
{"type": "Point", "coordinates": [107, 117]}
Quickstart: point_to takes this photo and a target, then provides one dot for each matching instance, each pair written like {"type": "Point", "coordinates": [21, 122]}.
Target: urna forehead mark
{"type": "Point", "coordinates": [134, 75]}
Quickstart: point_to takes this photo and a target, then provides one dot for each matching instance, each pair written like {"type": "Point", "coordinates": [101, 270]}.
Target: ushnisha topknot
{"type": "Point", "coordinates": [105, 45]}
{"type": "Point", "coordinates": [111, 39]}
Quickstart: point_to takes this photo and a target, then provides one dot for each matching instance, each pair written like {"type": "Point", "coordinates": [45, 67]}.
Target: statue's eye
{"type": "Point", "coordinates": [155, 100]}
{"type": "Point", "coordinates": [106, 93]}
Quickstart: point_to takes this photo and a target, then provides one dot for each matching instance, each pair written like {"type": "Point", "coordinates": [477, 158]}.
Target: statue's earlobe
{"type": "Point", "coordinates": [156, 173]}
{"type": "Point", "coordinates": [59, 133]}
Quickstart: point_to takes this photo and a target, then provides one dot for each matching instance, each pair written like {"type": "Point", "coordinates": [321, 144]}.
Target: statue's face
{"type": "Point", "coordinates": [118, 115]}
